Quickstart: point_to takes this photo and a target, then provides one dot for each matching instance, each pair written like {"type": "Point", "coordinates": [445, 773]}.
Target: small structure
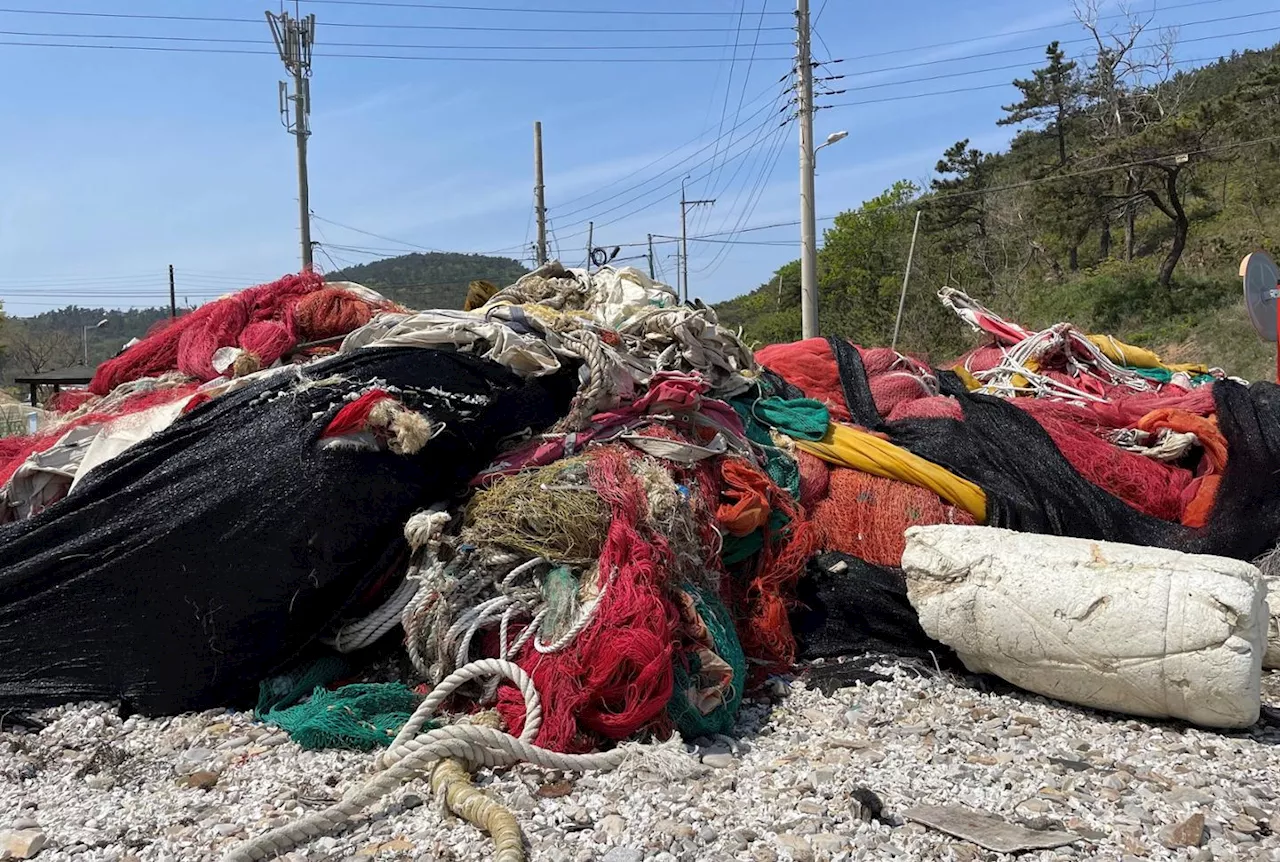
{"type": "Point", "coordinates": [79, 375]}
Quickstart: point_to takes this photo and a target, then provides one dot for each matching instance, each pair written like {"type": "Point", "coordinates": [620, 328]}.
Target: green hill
{"type": "Point", "coordinates": [54, 339]}
{"type": "Point", "coordinates": [432, 279]}
{"type": "Point", "coordinates": [1124, 205]}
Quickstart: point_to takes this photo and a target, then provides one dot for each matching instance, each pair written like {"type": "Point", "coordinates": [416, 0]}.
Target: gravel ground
{"type": "Point", "coordinates": [189, 788]}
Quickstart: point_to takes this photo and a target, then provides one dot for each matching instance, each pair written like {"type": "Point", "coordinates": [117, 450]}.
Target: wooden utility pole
{"type": "Point", "coordinates": [173, 296]}
{"type": "Point", "coordinates": [539, 192]}
{"type": "Point", "coordinates": [651, 273]}
{"type": "Point", "coordinates": [294, 38]}
{"type": "Point", "coordinates": [684, 240]}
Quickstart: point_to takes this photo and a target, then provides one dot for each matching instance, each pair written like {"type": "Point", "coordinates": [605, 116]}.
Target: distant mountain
{"type": "Point", "coordinates": [54, 339]}
{"type": "Point", "coordinates": [432, 279]}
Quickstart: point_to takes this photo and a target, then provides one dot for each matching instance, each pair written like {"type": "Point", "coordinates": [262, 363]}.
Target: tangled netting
{"type": "Point", "coordinates": [585, 508]}
{"type": "Point", "coordinates": [261, 323]}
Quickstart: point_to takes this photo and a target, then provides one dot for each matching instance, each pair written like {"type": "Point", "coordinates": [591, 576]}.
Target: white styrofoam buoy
{"type": "Point", "coordinates": [1271, 660]}
{"type": "Point", "coordinates": [1144, 631]}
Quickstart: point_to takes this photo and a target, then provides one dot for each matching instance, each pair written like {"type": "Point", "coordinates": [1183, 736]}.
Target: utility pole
{"type": "Point", "coordinates": [684, 239]}
{"type": "Point", "coordinates": [808, 219]}
{"type": "Point", "coordinates": [539, 192]}
{"type": "Point", "coordinates": [294, 38]}
{"type": "Point", "coordinates": [591, 234]}
{"type": "Point", "coordinates": [651, 272]}
{"type": "Point", "coordinates": [173, 298]}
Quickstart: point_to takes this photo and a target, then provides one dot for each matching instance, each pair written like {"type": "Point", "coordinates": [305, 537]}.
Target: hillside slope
{"type": "Point", "coordinates": [1134, 228]}
{"type": "Point", "coordinates": [431, 279]}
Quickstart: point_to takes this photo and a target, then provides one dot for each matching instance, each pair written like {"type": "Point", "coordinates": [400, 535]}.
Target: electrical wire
{"type": "Point", "coordinates": [1084, 40]}
{"type": "Point", "coordinates": [1006, 33]}
{"type": "Point", "coordinates": [753, 200]}
{"type": "Point", "coordinates": [680, 167]}
{"type": "Point", "coordinates": [724, 105]}
{"type": "Point", "coordinates": [326, 24]}
{"type": "Point", "coordinates": [174, 49]}
{"type": "Point", "coordinates": [650, 204]}
{"type": "Point", "coordinates": [518, 10]}
{"type": "Point", "coordinates": [396, 45]}
{"type": "Point", "coordinates": [975, 89]}
{"type": "Point", "coordinates": [665, 155]}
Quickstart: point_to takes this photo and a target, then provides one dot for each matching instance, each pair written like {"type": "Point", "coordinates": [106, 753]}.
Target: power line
{"type": "Point", "coordinates": [679, 166]}
{"type": "Point", "coordinates": [227, 41]}
{"type": "Point", "coordinates": [1087, 39]}
{"type": "Point", "coordinates": [655, 202]}
{"type": "Point", "coordinates": [1004, 33]}
{"type": "Point", "coordinates": [753, 201]}
{"type": "Point", "coordinates": [666, 155]}
{"type": "Point", "coordinates": [351, 56]}
{"type": "Point", "coordinates": [257, 22]}
{"type": "Point", "coordinates": [728, 94]}
{"type": "Point", "coordinates": [974, 89]}
{"type": "Point", "coordinates": [950, 75]}
{"type": "Point", "coordinates": [518, 10]}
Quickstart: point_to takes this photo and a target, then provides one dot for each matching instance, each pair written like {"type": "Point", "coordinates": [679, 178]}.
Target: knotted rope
{"type": "Point", "coordinates": [412, 753]}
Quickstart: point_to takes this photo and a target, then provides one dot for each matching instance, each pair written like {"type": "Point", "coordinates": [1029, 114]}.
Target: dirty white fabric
{"type": "Point", "coordinates": [45, 477]}
{"type": "Point", "coordinates": [526, 355]}
{"type": "Point", "coordinates": [125, 432]}
{"type": "Point", "coordinates": [1144, 631]}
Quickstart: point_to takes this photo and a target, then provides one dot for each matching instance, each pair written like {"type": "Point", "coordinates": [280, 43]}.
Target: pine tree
{"type": "Point", "coordinates": [1050, 98]}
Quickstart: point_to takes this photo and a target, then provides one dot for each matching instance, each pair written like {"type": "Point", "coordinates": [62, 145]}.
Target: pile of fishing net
{"type": "Point", "coordinates": [581, 511]}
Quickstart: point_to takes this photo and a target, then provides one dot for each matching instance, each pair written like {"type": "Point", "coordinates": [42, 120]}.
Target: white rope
{"type": "Point", "coordinates": [413, 752]}
{"type": "Point", "coordinates": [359, 634]}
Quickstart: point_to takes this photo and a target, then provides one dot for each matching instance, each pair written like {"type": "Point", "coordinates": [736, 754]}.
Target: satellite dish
{"type": "Point", "coordinates": [1261, 292]}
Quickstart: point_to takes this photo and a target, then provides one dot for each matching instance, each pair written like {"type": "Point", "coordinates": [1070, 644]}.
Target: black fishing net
{"type": "Point", "coordinates": [194, 565]}
{"type": "Point", "coordinates": [1032, 487]}
{"type": "Point", "coordinates": [846, 606]}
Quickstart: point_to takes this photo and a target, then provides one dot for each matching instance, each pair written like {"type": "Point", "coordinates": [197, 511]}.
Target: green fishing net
{"type": "Point", "coordinates": [363, 716]}
{"type": "Point", "coordinates": [688, 719]}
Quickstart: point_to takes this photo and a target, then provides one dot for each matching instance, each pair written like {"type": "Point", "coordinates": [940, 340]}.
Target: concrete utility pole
{"type": "Point", "coordinates": [808, 218]}
{"type": "Point", "coordinates": [591, 238]}
{"type": "Point", "coordinates": [539, 190]}
{"type": "Point", "coordinates": [684, 239]}
{"type": "Point", "coordinates": [294, 38]}
{"type": "Point", "coordinates": [173, 297]}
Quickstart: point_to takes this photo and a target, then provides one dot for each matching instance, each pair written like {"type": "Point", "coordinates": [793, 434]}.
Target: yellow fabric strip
{"type": "Point", "coordinates": [851, 447]}
{"type": "Point", "coordinates": [1138, 357]}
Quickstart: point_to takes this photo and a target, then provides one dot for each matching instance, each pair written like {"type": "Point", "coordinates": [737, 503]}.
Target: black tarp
{"type": "Point", "coordinates": [189, 568]}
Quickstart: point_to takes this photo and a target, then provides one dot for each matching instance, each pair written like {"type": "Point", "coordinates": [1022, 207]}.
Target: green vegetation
{"type": "Point", "coordinates": [1124, 206]}
{"type": "Point", "coordinates": [433, 279]}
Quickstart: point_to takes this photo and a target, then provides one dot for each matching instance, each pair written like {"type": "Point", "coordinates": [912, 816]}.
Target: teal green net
{"type": "Point", "coordinates": [299, 681]}
{"type": "Point", "coordinates": [362, 717]}
{"type": "Point", "coordinates": [687, 718]}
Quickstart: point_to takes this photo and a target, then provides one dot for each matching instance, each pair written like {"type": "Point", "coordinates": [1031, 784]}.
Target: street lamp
{"type": "Point", "coordinates": [85, 332]}
{"type": "Point", "coordinates": [833, 138]}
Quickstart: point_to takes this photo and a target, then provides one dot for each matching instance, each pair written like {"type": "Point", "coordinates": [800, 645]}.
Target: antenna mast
{"type": "Point", "coordinates": [294, 37]}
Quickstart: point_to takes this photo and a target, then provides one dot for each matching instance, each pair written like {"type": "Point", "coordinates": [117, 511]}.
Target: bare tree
{"type": "Point", "coordinates": [1132, 86]}
{"type": "Point", "coordinates": [36, 349]}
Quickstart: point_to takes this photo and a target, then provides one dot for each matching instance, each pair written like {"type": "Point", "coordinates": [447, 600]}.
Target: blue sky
{"type": "Point", "coordinates": [115, 163]}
